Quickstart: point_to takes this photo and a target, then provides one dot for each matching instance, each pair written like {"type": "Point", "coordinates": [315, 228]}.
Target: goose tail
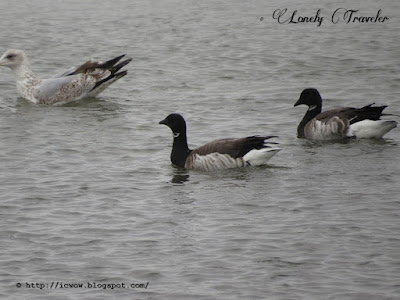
{"type": "Point", "coordinates": [258, 157]}
{"type": "Point", "coordinates": [368, 129]}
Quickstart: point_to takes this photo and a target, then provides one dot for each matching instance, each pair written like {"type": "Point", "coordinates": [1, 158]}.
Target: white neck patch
{"type": "Point", "coordinates": [312, 107]}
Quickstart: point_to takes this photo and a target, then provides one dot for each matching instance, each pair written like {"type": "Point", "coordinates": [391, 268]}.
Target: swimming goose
{"type": "Point", "coordinates": [86, 80]}
{"type": "Point", "coordinates": [340, 123]}
{"type": "Point", "coordinates": [219, 154]}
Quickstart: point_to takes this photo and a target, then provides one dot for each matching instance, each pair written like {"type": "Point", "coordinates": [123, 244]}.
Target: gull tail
{"type": "Point", "coordinates": [113, 68]}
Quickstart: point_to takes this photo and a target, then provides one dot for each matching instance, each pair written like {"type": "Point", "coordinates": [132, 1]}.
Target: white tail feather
{"type": "Point", "coordinates": [368, 129]}
{"type": "Point", "coordinates": [260, 157]}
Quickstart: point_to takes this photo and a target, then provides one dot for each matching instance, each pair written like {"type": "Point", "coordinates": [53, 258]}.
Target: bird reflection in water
{"type": "Point", "coordinates": [179, 176]}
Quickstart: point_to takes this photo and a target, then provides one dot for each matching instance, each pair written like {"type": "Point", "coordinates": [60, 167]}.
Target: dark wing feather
{"type": "Point", "coordinates": [368, 112]}
{"type": "Point", "coordinates": [342, 113]}
{"type": "Point", "coordinates": [91, 65]}
{"type": "Point", "coordinates": [353, 114]}
{"type": "Point", "coordinates": [234, 147]}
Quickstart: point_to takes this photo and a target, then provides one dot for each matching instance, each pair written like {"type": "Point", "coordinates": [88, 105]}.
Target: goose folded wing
{"type": "Point", "coordinates": [331, 124]}
{"type": "Point", "coordinates": [341, 113]}
{"type": "Point", "coordinates": [353, 115]}
{"type": "Point", "coordinates": [368, 112]}
{"type": "Point", "coordinates": [222, 146]}
{"type": "Point", "coordinates": [233, 147]}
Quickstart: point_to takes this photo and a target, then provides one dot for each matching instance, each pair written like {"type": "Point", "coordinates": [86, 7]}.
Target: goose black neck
{"type": "Point", "coordinates": [180, 149]}
{"type": "Point", "coordinates": [310, 114]}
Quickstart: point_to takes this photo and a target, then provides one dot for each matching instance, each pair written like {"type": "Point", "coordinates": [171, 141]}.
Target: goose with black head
{"type": "Point", "coordinates": [219, 154]}
{"type": "Point", "coordinates": [340, 123]}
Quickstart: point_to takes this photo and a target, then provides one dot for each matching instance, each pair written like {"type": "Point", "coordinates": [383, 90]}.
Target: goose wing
{"type": "Point", "coordinates": [352, 114]}
{"type": "Point", "coordinates": [234, 147]}
{"type": "Point", "coordinates": [331, 124]}
{"type": "Point", "coordinates": [335, 123]}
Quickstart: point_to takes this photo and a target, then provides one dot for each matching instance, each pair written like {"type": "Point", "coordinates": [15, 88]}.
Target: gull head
{"type": "Point", "coordinates": [13, 58]}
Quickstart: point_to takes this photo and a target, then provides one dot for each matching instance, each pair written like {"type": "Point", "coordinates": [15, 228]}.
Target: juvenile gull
{"type": "Point", "coordinates": [86, 80]}
{"type": "Point", "coordinates": [340, 123]}
{"type": "Point", "coordinates": [220, 154]}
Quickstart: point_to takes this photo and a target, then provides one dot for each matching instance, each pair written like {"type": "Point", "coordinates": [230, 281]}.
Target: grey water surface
{"type": "Point", "coordinates": [89, 197]}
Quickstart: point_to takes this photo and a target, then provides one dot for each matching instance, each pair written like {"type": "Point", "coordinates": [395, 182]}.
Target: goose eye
{"type": "Point", "coordinates": [10, 56]}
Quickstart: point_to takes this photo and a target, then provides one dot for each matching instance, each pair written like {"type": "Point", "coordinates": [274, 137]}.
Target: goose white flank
{"type": "Point", "coordinates": [340, 123]}
{"type": "Point", "coordinates": [86, 80]}
{"type": "Point", "coordinates": [219, 154]}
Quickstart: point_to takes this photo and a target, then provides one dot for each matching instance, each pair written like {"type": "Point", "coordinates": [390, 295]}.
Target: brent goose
{"type": "Point", "coordinates": [219, 154]}
{"type": "Point", "coordinates": [86, 80]}
{"type": "Point", "coordinates": [340, 123]}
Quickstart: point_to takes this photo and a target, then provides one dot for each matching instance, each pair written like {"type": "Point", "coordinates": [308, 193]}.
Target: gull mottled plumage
{"type": "Point", "coordinates": [86, 80]}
